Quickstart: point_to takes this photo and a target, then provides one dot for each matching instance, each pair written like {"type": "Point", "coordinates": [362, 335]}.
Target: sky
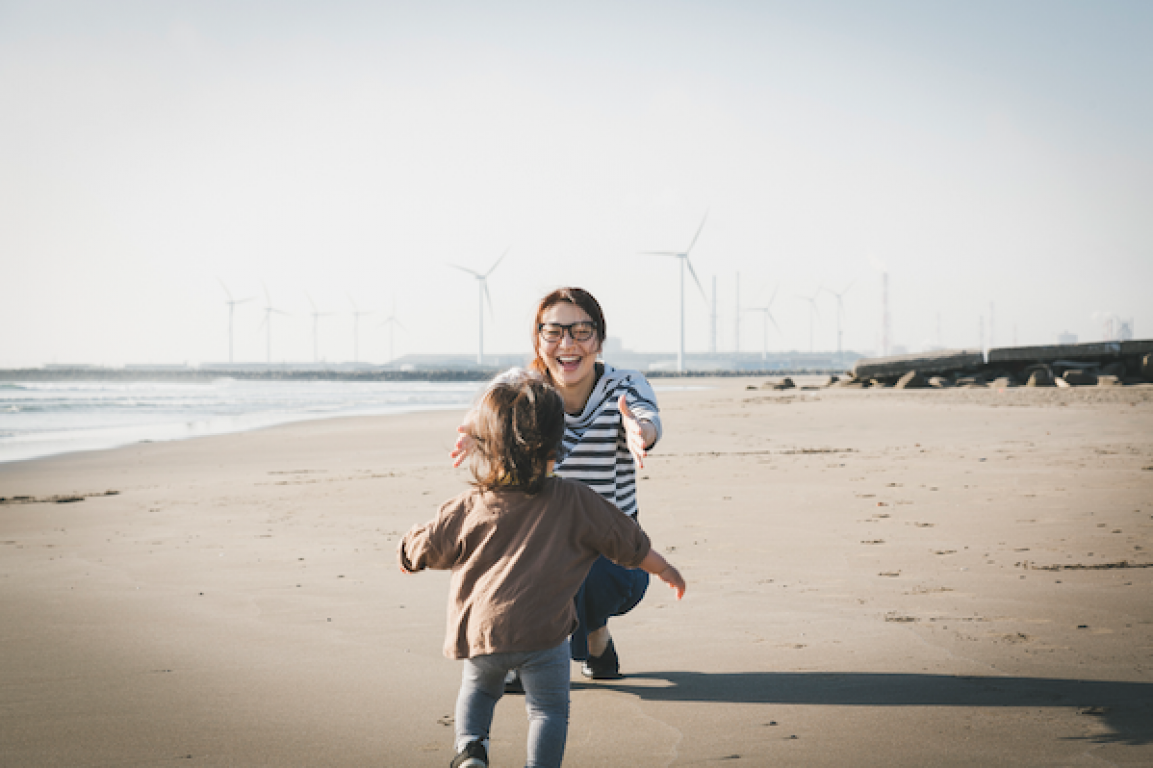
{"type": "Point", "coordinates": [993, 159]}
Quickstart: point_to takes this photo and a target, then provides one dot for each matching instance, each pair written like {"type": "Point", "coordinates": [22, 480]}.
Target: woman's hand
{"type": "Point", "coordinates": [639, 433]}
{"type": "Point", "coordinates": [465, 442]}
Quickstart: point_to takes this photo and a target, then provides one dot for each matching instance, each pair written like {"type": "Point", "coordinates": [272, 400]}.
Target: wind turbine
{"type": "Point", "coordinates": [683, 256]}
{"type": "Point", "coordinates": [392, 322]}
{"type": "Point", "coordinates": [316, 329]}
{"type": "Point", "coordinates": [812, 311]}
{"type": "Point", "coordinates": [231, 306]}
{"type": "Point", "coordinates": [269, 311]}
{"type": "Point", "coordinates": [482, 295]}
{"type": "Point", "coordinates": [356, 313]}
{"type": "Point", "coordinates": [767, 318]}
{"type": "Point", "coordinates": [840, 312]}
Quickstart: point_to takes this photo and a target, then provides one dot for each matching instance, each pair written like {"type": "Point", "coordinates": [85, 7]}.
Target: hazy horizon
{"type": "Point", "coordinates": [346, 153]}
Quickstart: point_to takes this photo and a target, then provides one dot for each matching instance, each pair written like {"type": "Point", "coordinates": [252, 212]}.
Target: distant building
{"type": "Point", "coordinates": [612, 347]}
{"type": "Point", "coordinates": [156, 367]}
{"type": "Point", "coordinates": [1066, 338]}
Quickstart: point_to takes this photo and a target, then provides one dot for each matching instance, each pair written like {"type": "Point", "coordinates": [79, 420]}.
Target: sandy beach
{"type": "Point", "coordinates": [906, 578]}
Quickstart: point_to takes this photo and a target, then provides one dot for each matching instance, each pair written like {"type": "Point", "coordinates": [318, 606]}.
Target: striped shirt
{"type": "Point", "coordinates": [595, 448]}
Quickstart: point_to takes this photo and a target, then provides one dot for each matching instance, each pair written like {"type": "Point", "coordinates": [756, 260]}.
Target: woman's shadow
{"type": "Point", "coordinates": [1126, 708]}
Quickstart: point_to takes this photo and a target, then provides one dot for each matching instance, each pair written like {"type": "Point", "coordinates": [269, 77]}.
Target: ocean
{"type": "Point", "coordinates": [45, 419]}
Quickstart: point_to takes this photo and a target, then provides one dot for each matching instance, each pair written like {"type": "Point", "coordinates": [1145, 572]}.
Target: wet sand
{"type": "Point", "coordinates": [875, 578]}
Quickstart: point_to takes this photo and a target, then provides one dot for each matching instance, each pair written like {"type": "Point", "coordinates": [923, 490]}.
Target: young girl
{"type": "Point", "coordinates": [520, 543]}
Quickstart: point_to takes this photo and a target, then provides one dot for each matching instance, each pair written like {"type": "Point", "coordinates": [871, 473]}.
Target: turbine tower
{"type": "Point", "coordinates": [356, 313]}
{"type": "Point", "coordinates": [482, 295]}
{"type": "Point", "coordinates": [231, 306]}
{"type": "Point", "coordinates": [316, 329]}
{"type": "Point", "coordinates": [713, 320]}
{"type": "Point", "coordinates": [737, 318]}
{"type": "Point", "coordinates": [269, 311]}
{"type": "Point", "coordinates": [840, 312]}
{"type": "Point", "coordinates": [812, 311]}
{"type": "Point", "coordinates": [392, 322]}
{"type": "Point", "coordinates": [767, 318]}
{"type": "Point", "coordinates": [885, 314]}
{"type": "Point", "coordinates": [683, 256]}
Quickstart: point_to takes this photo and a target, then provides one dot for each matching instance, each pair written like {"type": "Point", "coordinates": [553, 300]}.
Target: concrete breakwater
{"type": "Point", "coordinates": [1062, 365]}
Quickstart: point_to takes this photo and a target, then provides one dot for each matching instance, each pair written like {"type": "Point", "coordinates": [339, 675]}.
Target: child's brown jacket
{"type": "Point", "coordinates": [518, 560]}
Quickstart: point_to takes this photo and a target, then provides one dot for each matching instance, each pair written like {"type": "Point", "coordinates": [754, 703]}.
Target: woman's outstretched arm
{"type": "Point", "coordinates": [640, 433]}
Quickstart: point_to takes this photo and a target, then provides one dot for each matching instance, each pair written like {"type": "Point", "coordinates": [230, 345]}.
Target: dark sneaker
{"type": "Point", "coordinates": [512, 682]}
{"type": "Point", "coordinates": [473, 756]}
{"type": "Point", "coordinates": [604, 667]}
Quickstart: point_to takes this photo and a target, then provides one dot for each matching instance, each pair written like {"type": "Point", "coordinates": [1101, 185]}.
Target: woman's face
{"type": "Point", "coordinates": [571, 363]}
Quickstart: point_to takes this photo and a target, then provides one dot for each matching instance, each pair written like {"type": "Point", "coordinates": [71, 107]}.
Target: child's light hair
{"type": "Point", "coordinates": [518, 425]}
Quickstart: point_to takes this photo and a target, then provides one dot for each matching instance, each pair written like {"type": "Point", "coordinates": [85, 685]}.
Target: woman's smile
{"type": "Point", "coordinates": [571, 363]}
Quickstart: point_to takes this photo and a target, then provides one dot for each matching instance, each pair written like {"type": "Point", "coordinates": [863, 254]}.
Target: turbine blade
{"type": "Point", "coordinates": [773, 297]}
{"type": "Point", "coordinates": [225, 287]}
{"type": "Point", "coordinates": [698, 234]}
{"type": "Point", "coordinates": [774, 322]}
{"type": "Point", "coordinates": [498, 261]}
{"type": "Point", "coordinates": [465, 269]}
{"type": "Point", "coordinates": [689, 264]}
{"type": "Point", "coordinates": [488, 297]}
{"type": "Point", "coordinates": [661, 253]}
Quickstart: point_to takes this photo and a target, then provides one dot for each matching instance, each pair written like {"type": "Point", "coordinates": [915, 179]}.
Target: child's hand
{"type": "Point", "coordinates": [635, 432]}
{"type": "Point", "coordinates": [673, 578]}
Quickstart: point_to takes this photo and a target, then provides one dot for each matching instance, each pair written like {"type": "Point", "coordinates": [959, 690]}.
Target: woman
{"type": "Point", "coordinates": [611, 421]}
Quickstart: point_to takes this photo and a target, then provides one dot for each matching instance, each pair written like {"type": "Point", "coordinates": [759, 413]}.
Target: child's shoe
{"type": "Point", "coordinates": [473, 756]}
{"type": "Point", "coordinates": [604, 667]}
{"type": "Point", "coordinates": [512, 682]}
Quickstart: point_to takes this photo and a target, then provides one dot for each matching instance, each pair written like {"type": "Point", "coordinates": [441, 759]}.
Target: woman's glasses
{"type": "Point", "coordinates": [554, 332]}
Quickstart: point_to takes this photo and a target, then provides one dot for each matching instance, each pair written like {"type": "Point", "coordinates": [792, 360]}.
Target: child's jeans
{"type": "Point", "coordinates": [545, 675]}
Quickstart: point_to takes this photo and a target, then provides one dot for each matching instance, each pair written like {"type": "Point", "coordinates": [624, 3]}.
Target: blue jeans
{"type": "Point", "coordinates": [545, 675]}
{"type": "Point", "coordinates": [609, 590]}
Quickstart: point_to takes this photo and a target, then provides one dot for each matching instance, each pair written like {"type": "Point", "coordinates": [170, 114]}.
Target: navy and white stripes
{"type": "Point", "coordinates": [595, 450]}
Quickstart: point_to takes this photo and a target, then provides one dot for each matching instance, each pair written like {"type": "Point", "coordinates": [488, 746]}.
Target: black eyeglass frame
{"type": "Point", "coordinates": [567, 329]}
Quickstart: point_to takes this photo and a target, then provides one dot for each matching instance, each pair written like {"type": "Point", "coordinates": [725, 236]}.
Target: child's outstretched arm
{"type": "Point", "coordinates": [656, 564]}
{"type": "Point", "coordinates": [406, 567]}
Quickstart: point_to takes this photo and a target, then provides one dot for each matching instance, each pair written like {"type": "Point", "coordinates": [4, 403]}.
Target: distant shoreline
{"type": "Point", "coordinates": [194, 376]}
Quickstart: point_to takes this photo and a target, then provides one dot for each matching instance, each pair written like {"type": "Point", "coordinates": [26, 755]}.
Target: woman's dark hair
{"type": "Point", "coordinates": [576, 296]}
{"type": "Point", "coordinates": [518, 427]}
